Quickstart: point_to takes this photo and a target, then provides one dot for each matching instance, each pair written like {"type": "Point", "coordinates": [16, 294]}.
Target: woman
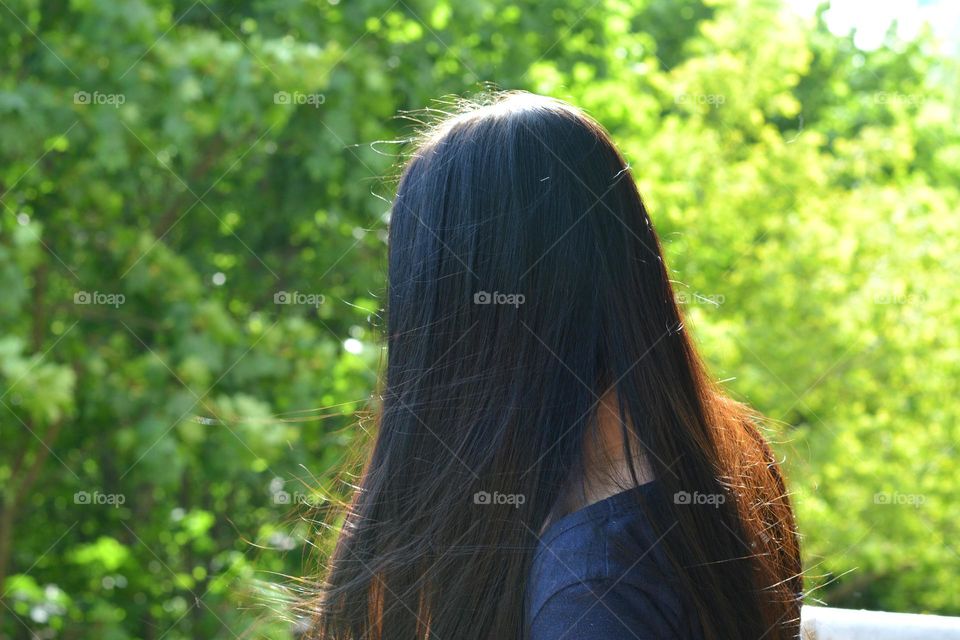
{"type": "Point", "coordinates": [552, 460]}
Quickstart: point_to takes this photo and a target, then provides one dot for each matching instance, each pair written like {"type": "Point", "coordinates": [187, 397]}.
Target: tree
{"type": "Point", "coordinates": [192, 251]}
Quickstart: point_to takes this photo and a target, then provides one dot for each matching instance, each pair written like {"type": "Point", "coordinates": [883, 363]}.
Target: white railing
{"type": "Point", "coordinates": [825, 623]}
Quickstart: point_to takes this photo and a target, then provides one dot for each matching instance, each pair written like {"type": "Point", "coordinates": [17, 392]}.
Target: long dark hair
{"type": "Point", "coordinates": [525, 283]}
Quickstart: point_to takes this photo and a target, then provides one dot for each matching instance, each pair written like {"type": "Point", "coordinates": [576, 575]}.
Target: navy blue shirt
{"type": "Point", "coordinates": [600, 574]}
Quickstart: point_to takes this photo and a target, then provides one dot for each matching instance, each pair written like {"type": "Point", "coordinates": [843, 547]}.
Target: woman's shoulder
{"type": "Point", "coordinates": [599, 572]}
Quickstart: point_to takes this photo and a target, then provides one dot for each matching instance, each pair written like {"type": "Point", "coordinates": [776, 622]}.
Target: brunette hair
{"type": "Point", "coordinates": [525, 282]}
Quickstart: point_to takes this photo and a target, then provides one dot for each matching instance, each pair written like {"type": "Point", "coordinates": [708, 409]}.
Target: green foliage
{"type": "Point", "coordinates": [182, 182]}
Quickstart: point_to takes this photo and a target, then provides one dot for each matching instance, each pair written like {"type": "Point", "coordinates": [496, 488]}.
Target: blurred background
{"type": "Point", "coordinates": [192, 266]}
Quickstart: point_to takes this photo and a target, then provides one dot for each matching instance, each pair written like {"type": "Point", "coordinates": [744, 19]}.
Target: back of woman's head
{"type": "Point", "coordinates": [526, 283]}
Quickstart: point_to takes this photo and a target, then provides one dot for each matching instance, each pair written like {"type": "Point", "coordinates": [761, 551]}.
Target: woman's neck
{"type": "Point", "coordinates": [606, 468]}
